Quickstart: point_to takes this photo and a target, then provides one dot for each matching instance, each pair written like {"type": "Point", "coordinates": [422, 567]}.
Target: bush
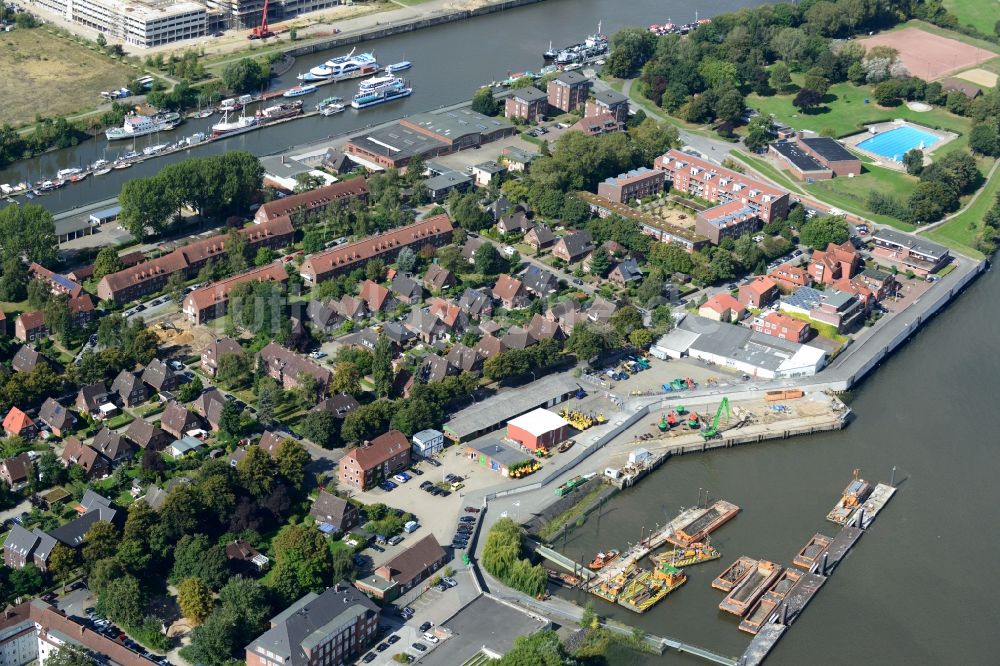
{"type": "Point", "coordinates": [502, 559]}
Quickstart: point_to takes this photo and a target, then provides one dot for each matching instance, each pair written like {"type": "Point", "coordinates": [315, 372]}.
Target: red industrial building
{"type": "Point", "coordinates": [538, 429]}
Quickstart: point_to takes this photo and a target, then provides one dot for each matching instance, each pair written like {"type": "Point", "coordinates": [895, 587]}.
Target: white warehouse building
{"type": "Point", "coordinates": [739, 348]}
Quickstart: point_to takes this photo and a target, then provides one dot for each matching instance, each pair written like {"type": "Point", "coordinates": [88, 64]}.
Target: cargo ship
{"type": "Point", "coordinates": [696, 553]}
{"type": "Point", "coordinates": [284, 110]}
{"type": "Point", "coordinates": [751, 588]}
{"type": "Point", "coordinates": [593, 46]}
{"type": "Point", "coordinates": [603, 559]}
{"type": "Point", "coordinates": [648, 588]}
{"type": "Point", "coordinates": [856, 492]}
{"type": "Point", "coordinates": [736, 571]}
{"type": "Point", "coordinates": [761, 611]}
{"type": "Point", "coordinates": [812, 551]}
{"type": "Point", "coordinates": [704, 523]}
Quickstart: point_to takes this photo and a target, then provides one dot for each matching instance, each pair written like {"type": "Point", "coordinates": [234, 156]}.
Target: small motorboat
{"type": "Point", "coordinates": [604, 559]}
{"type": "Point", "coordinates": [399, 66]}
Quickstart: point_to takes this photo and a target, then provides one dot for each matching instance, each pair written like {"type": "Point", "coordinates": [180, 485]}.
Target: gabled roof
{"type": "Point", "coordinates": [415, 560]}
{"type": "Point", "coordinates": [463, 358]}
{"type": "Point", "coordinates": [110, 444]}
{"type": "Point", "coordinates": [224, 345]}
{"type": "Point", "coordinates": [330, 509]}
{"type": "Point", "coordinates": [339, 405]}
{"type": "Point", "coordinates": [20, 541]}
{"type": "Point", "coordinates": [381, 449]}
{"type": "Point", "coordinates": [177, 418]}
{"type": "Point", "coordinates": [93, 395]}
{"type": "Point", "coordinates": [517, 338]}
{"type": "Point", "coordinates": [723, 303]}
{"type": "Point", "coordinates": [507, 288]}
{"type": "Point", "coordinates": [406, 286]}
{"type": "Point", "coordinates": [18, 468]}
{"type": "Point", "coordinates": [449, 313]}
{"type": "Point", "coordinates": [218, 292]}
{"type": "Point", "coordinates": [539, 280]}
{"type": "Point", "coordinates": [270, 441]}
{"type": "Point", "coordinates": [16, 421]}
{"type": "Point", "coordinates": [126, 382]}
{"type": "Point", "coordinates": [628, 270]}
{"type": "Point", "coordinates": [32, 320]}
{"type": "Point", "coordinates": [541, 328]}
{"type": "Point", "coordinates": [437, 278]}
{"type": "Point", "coordinates": [541, 234]}
{"type": "Point", "coordinates": [577, 244]}
{"type": "Point", "coordinates": [142, 432]}
{"type": "Point", "coordinates": [374, 295]}
{"type": "Point", "coordinates": [209, 405]}
{"type": "Point", "coordinates": [475, 302]}
{"type": "Point", "coordinates": [432, 368]}
{"type": "Point", "coordinates": [55, 415]}
{"type": "Point", "coordinates": [321, 196]}
{"type": "Point", "coordinates": [76, 452]}
{"type": "Point", "coordinates": [292, 363]}
{"type": "Point", "coordinates": [26, 359]}
{"type": "Point", "coordinates": [489, 346]}
{"type": "Point", "coordinates": [470, 247]}
{"type": "Point", "coordinates": [158, 375]}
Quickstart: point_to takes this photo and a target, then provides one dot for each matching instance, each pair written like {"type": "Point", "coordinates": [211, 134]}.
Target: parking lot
{"type": "Point", "coordinates": [78, 604]}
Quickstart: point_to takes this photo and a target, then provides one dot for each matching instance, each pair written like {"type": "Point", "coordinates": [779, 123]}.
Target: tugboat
{"type": "Point", "coordinates": [604, 559]}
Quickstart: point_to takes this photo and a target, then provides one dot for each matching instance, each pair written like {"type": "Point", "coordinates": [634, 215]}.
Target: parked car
{"type": "Point", "coordinates": [387, 485]}
{"type": "Point", "coordinates": [450, 582]}
{"type": "Point", "coordinates": [472, 509]}
{"type": "Point", "coordinates": [395, 540]}
{"type": "Point", "coordinates": [377, 548]}
{"type": "Point", "coordinates": [368, 658]}
{"type": "Point", "coordinates": [420, 647]}
{"type": "Point", "coordinates": [425, 485]}
{"type": "Point", "coordinates": [433, 462]}
{"type": "Point", "coordinates": [399, 478]}
{"type": "Point", "coordinates": [414, 470]}
{"type": "Point", "coordinates": [382, 647]}
{"type": "Point", "coordinates": [425, 626]}
{"type": "Point", "coordinates": [392, 640]}
{"type": "Point", "coordinates": [430, 637]}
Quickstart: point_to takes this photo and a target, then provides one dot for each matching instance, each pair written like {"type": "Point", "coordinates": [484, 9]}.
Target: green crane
{"type": "Point", "coordinates": [713, 430]}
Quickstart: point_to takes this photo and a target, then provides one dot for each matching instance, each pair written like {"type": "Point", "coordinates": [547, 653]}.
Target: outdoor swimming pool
{"type": "Point", "coordinates": [894, 143]}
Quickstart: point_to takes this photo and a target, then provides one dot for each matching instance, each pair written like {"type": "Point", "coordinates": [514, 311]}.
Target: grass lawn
{"type": "Point", "coordinates": [845, 113]}
{"type": "Point", "coordinates": [769, 170]}
{"type": "Point", "coordinates": [981, 14]}
{"type": "Point", "coordinates": [14, 306]}
{"type": "Point", "coordinates": [960, 232]}
{"type": "Point", "coordinates": [853, 192]}
{"type": "Point", "coordinates": [71, 76]}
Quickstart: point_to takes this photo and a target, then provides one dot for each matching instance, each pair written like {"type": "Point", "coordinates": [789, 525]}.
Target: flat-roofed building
{"type": "Point", "coordinates": [728, 220]}
{"type": "Point", "coordinates": [803, 165]}
{"type": "Point", "coordinates": [634, 184]}
{"type": "Point", "coordinates": [538, 429]}
{"type": "Point", "coordinates": [831, 154]}
{"type": "Point", "coordinates": [909, 252]}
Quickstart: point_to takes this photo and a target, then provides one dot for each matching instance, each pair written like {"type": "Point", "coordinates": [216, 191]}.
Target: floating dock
{"type": "Point", "coordinates": [751, 588]}
{"type": "Point", "coordinates": [704, 523]}
{"type": "Point", "coordinates": [765, 607]}
{"type": "Point", "coordinates": [839, 549]}
{"type": "Point", "coordinates": [800, 595]}
{"type": "Point", "coordinates": [733, 574]}
{"type": "Point", "coordinates": [873, 505]}
{"type": "Point", "coordinates": [812, 551]}
{"type": "Point", "coordinates": [854, 494]}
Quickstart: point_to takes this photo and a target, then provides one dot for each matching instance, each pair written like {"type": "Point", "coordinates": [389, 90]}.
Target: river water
{"type": "Point", "coordinates": [449, 62]}
{"type": "Point", "coordinates": [920, 587]}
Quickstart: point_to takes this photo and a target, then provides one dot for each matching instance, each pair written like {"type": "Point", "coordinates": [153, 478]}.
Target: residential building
{"type": "Point", "coordinates": [81, 309]}
{"type": "Point", "coordinates": [246, 558]}
{"type": "Point", "coordinates": [375, 296]}
{"type": "Point", "coordinates": [433, 368]}
{"type": "Point", "coordinates": [529, 104]}
{"type": "Point", "coordinates": [573, 247]}
{"type": "Point", "coordinates": [405, 571]}
{"type": "Point", "coordinates": [428, 443]}
{"type": "Point", "coordinates": [368, 464]}
{"type": "Point", "coordinates": [17, 471]}
{"type": "Point", "coordinates": [270, 441]}
{"type": "Point", "coordinates": [315, 201]}
{"type": "Point", "coordinates": [790, 277]}
{"type": "Point", "coordinates": [333, 514]}
{"type": "Point", "coordinates": [839, 309]}
{"type": "Point", "coordinates": [722, 307]}
{"type": "Point", "coordinates": [215, 351]}
{"type": "Point", "coordinates": [31, 326]}
{"type": "Point", "coordinates": [538, 429]}
{"type": "Point", "coordinates": [211, 302]}
{"type": "Point", "coordinates": [728, 220]}
{"type": "Point", "coordinates": [90, 398]}
{"type": "Point", "coordinates": [489, 346]}
{"type": "Point", "coordinates": [452, 316]}
{"type": "Point", "coordinates": [540, 328]}
{"type": "Point", "coordinates": [440, 185]}
{"type": "Point", "coordinates": [625, 273]}
{"type": "Point", "coordinates": [18, 637]}
{"type": "Point", "coordinates": [831, 154]}
{"type": "Point", "coordinates": [881, 284]}
{"type": "Point", "coordinates": [129, 389]}
{"type": "Point", "coordinates": [437, 278]}
{"type": "Point", "coordinates": [539, 237]}
{"type": "Point", "coordinates": [57, 284]}
{"type": "Point", "coordinates": [517, 337]}
{"type": "Point", "coordinates": [607, 102]}
{"type": "Point", "coordinates": [59, 419]}
{"type": "Point", "coordinates": [782, 326]}
{"type": "Point", "coordinates": [910, 253]}
{"type": "Point", "coordinates": [151, 276]}
{"type": "Point", "coordinates": [158, 376]}
{"type": "Point", "coordinates": [510, 292]}
{"type": "Point", "coordinates": [539, 281]}
{"type": "Point", "coordinates": [27, 359]}
{"type": "Point", "coordinates": [406, 288]}
{"type": "Point", "coordinates": [476, 303]}
{"type": "Point", "coordinates": [286, 367]}
{"type": "Point", "coordinates": [635, 184]}
{"type": "Point", "coordinates": [327, 629]}
{"type": "Point", "coordinates": [177, 419]}
{"type": "Point", "coordinates": [145, 435]}
{"type": "Point", "coordinates": [463, 359]}
{"type": "Point", "coordinates": [516, 222]}
{"type": "Point", "coordinates": [759, 292]}
{"type": "Point", "coordinates": [340, 405]}
{"type": "Point", "coordinates": [693, 175]}
{"type": "Point", "coordinates": [484, 172]}
{"type": "Point", "coordinates": [435, 231]}
{"type": "Point", "coordinates": [597, 125]}
{"type": "Point", "coordinates": [209, 406]}
{"type": "Point", "coordinates": [837, 262]}
{"type": "Point", "coordinates": [93, 463]}
{"type": "Point", "coordinates": [18, 423]}
{"type": "Point", "coordinates": [517, 159]}
{"type": "Point", "coordinates": [113, 446]}
{"type": "Point", "coordinates": [568, 91]}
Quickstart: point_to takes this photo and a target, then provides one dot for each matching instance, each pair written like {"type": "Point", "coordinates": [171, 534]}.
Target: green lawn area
{"type": "Point", "coordinates": [981, 14]}
{"type": "Point", "coordinates": [853, 192]}
{"type": "Point", "coordinates": [846, 113]}
{"type": "Point", "coordinates": [960, 233]}
{"type": "Point", "coordinates": [768, 170]}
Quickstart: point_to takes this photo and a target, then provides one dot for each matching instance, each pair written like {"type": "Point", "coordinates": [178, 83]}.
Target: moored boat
{"type": "Point", "coordinates": [812, 551]}
{"type": "Point", "coordinates": [399, 66]}
{"type": "Point", "coordinates": [380, 89]}
{"type": "Point", "coordinates": [696, 553]}
{"type": "Point", "coordinates": [238, 126]}
{"type": "Point", "coordinates": [332, 109]}
{"type": "Point", "coordinates": [66, 173]}
{"type": "Point", "coordinates": [603, 559]}
{"type": "Point", "coordinates": [854, 494]}
{"type": "Point", "coordinates": [152, 150]}
{"type": "Point", "coordinates": [102, 171]}
{"type": "Point", "coordinates": [139, 125]}
{"type": "Point", "coordinates": [734, 573]}
{"type": "Point", "coordinates": [299, 90]}
{"type": "Point", "coordinates": [750, 588]}
{"type": "Point", "coordinates": [285, 110]}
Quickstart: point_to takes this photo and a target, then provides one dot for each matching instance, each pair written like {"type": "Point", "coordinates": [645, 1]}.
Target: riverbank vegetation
{"type": "Point", "coordinates": [503, 558]}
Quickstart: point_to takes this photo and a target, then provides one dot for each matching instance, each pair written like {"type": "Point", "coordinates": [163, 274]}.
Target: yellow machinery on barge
{"type": "Point", "coordinates": [649, 587]}
{"type": "Point", "coordinates": [696, 553]}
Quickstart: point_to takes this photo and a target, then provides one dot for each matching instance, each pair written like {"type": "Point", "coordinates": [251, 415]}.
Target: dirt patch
{"type": "Point", "coordinates": [979, 76]}
{"type": "Point", "coordinates": [69, 76]}
{"type": "Point", "coordinates": [927, 55]}
{"type": "Point", "coordinates": [919, 107]}
{"type": "Point", "coordinates": [179, 338]}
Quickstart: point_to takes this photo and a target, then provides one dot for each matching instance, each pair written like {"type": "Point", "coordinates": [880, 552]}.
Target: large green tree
{"type": "Point", "coordinates": [123, 601]}
{"type": "Point", "coordinates": [824, 229]}
{"type": "Point", "coordinates": [245, 75]}
{"type": "Point", "coordinates": [382, 374]}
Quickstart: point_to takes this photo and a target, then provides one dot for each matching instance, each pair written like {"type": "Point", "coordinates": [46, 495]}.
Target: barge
{"type": "Point", "coordinates": [649, 588]}
{"type": "Point", "coordinates": [751, 588]}
{"type": "Point", "coordinates": [736, 571]}
{"type": "Point", "coordinates": [812, 551]}
{"type": "Point", "coordinates": [856, 492]}
{"type": "Point", "coordinates": [611, 586]}
{"type": "Point", "coordinates": [696, 553]}
{"type": "Point", "coordinates": [704, 523]}
{"type": "Point", "coordinates": [761, 611]}
{"type": "Point", "coordinates": [874, 504]}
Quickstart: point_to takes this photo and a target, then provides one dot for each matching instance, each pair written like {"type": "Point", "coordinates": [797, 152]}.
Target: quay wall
{"type": "Point", "coordinates": [399, 27]}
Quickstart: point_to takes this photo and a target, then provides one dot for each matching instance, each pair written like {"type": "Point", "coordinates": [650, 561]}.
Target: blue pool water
{"type": "Point", "coordinates": [896, 142]}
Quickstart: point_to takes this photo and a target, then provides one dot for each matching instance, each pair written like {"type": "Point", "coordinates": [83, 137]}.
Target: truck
{"type": "Point", "coordinates": [410, 526]}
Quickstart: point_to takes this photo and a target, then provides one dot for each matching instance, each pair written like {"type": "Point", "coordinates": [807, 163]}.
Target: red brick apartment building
{"type": "Point", "coordinates": [693, 175]}
{"type": "Point", "coordinates": [782, 326]}
{"type": "Point", "coordinates": [528, 104]}
{"type": "Point", "coordinates": [607, 102]}
{"type": "Point", "coordinates": [367, 465]}
{"type": "Point", "coordinates": [150, 276]}
{"type": "Point", "coordinates": [568, 91]}
{"type": "Point", "coordinates": [634, 184]}
{"type": "Point", "coordinates": [335, 194]}
{"type": "Point", "coordinates": [435, 231]}
{"type": "Point", "coordinates": [211, 302]}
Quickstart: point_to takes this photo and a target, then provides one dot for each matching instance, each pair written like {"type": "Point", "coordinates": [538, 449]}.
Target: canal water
{"type": "Point", "coordinates": [449, 62]}
{"type": "Point", "coordinates": [920, 587]}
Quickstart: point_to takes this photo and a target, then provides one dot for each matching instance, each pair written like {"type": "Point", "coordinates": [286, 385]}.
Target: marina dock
{"type": "Point", "coordinates": [704, 523]}
{"type": "Point", "coordinates": [866, 513]}
{"type": "Point", "coordinates": [838, 550]}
